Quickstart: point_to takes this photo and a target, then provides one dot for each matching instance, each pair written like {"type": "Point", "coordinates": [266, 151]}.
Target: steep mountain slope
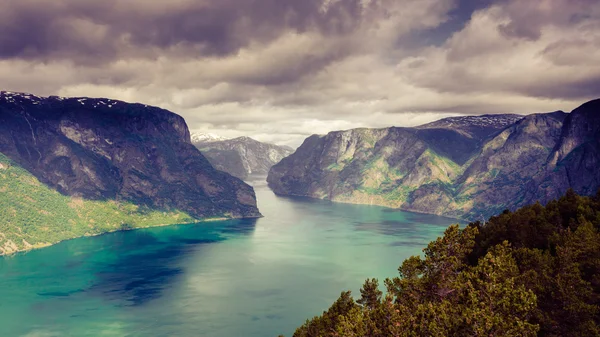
{"type": "Point", "coordinates": [228, 161]}
{"type": "Point", "coordinates": [508, 170]}
{"type": "Point", "coordinates": [102, 149]}
{"type": "Point", "coordinates": [255, 157]}
{"type": "Point", "coordinates": [34, 215]}
{"type": "Point", "coordinates": [468, 167]}
{"type": "Point", "coordinates": [576, 156]}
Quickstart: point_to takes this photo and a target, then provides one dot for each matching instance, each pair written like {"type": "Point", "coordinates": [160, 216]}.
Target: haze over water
{"type": "Point", "coordinates": [250, 278]}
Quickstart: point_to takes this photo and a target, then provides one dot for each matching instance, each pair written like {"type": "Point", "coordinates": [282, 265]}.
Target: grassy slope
{"type": "Point", "coordinates": [381, 182]}
{"type": "Point", "coordinates": [33, 215]}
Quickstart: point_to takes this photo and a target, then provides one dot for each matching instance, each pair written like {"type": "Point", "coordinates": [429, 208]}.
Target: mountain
{"type": "Point", "coordinates": [205, 138]}
{"type": "Point", "coordinates": [229, 161]}
{"type": "Point", "coordinates": [134, 158]}
{"type": "Point", "coordinates": [243, 156]}
{"type": "Point", "coordinates": [463, 167]}
{"type": "Point", "coordinates": [33, 215]}
{"type": "Point", "coordinates": [474, 126]}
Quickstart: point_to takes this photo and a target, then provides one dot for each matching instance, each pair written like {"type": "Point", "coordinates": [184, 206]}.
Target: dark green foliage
{"type": "Point", "coordinates": [32, 215]}
{"type": "Point", "coordinates": [328, 323]}
{"type": "Point", "coordinates": [370, 294]}
{"type": "Point", "coordinates": [557, 249]}
{"type": "Point", "coordinates": [535, 271]}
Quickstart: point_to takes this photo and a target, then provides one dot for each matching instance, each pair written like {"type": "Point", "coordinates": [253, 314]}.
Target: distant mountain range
{"type": "Point", "coordinates": [84, 166]}
{"type": "Point", "coordinates": [242, 156]}
{"type": "Point", "coordinates": [464, 167]}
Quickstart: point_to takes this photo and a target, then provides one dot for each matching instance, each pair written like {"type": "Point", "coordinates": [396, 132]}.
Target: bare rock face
{"type": "Point", "coordinates": [242, 156]}
{"type": "Point", "coordinates": [574, 160]}
{"type": "Point", "coordinates": [228, 161]}
{"type": "Point", "coordinates": [465, 167]}
{"type": "Point", "coordinates": [105, 149]}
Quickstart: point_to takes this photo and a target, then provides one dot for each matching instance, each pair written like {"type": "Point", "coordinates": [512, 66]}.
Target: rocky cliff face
{"type": "Point", "coordinates": [467, 167]}
{"type": "Point", "coordinates": [228, 161]}
{"type": "Point", "coordinates": [242, 156]}
{"type": "Point", "coordinates": [101, 149]}
{"type": "Point", "coordinates": [574, 159]}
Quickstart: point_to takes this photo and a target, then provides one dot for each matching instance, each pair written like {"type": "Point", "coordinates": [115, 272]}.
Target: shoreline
{"type": "Point", "coordinates": [46, 245]}
{"type": "Point", "coordinates": [348, 202]}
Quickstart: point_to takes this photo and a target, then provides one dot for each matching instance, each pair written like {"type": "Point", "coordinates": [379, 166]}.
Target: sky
{"type": "Point", "coordinates": [282, 70]}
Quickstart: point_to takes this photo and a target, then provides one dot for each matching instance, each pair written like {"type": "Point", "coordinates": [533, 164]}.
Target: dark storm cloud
{"type": "Point", "coordinates": [34, 29]}
{"type": "Point", "coordinates": [579, 89]}
{"type": "Point", "coordinates": [107, 30]}
{"type": "Point", "coordinates": [528, 18]}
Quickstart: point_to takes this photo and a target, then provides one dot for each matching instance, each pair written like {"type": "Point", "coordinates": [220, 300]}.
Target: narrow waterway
{"type": "Point", "coordinates": [248, 278]}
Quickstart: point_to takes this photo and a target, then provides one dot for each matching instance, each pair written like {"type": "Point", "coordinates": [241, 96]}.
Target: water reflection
{"type": "Point", "coordinates": [241, 227]}
{"type": "Point", "coordinates": [416, 243]}
{"type": "Point", "coordinates": [136, 277]}
{"type": "Point", "coordinates": [387, 227]}
{"type": "Point", "coordinates": [139, 278]}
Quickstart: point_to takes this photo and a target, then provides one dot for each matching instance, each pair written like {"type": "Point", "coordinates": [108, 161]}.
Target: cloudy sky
{"type": "Point", "coordinates": [280, 70]}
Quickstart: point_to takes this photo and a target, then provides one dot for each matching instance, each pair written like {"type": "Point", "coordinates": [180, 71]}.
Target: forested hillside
{"type": "Point", "coordinates": [33, 215]}
{"type": "Point", "coordinates": [532, 272]}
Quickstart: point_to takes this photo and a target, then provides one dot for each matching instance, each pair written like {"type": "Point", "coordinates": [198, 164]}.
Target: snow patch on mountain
{"type": "Point", "coordinates": [488, 121]}
{"type": "Point", "coordinates": [206, 138]}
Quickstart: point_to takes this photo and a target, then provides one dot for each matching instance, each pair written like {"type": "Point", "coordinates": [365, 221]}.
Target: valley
{"type": "Point", "coordinates": [299, 168]}
{"type": "Point", "coordinates": [237, 277]}
{"type": "Point", "coordinates": [182, 229]}
{"type": "Point", "coordinates": [241, 157]}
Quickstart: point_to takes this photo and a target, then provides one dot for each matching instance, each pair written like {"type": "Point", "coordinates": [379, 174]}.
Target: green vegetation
{"type": "Point", "coordinates": [385, 182]}
{"type": "Point", "coordinates": [378, 176]}
{"type": "Point", "coordinates": [369, 137]}
{"type": "Point", "coordinates": [335, 167]}
{"type": "Point", "coordinates": [33, 215]}
{"type": "Point", "coordinates": [447, 170]}
{"type": "Point", "coordinates": [532, 272]}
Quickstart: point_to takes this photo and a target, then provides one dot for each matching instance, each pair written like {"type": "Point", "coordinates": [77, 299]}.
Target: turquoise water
{"type": "Point", "coordinates": [259, 277]}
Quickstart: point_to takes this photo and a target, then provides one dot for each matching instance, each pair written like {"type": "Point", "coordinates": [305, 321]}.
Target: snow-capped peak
{"type": "Point", "coordinates": [489, 121]}
{"type": "Point", "coordinates": [12, 97]}
{"type": "Point", "coordinates": [206, 138]}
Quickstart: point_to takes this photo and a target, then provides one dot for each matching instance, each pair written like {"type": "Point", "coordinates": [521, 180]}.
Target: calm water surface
{"type": "Point", "coordinates": [234, 278]}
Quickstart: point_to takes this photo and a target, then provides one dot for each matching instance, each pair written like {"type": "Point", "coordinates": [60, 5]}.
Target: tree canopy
{"type": "Point", "coordinates": [535, 271]}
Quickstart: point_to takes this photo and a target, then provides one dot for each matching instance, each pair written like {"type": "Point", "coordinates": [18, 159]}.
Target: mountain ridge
{"type": "Point", "coordinates": [468, 173]}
